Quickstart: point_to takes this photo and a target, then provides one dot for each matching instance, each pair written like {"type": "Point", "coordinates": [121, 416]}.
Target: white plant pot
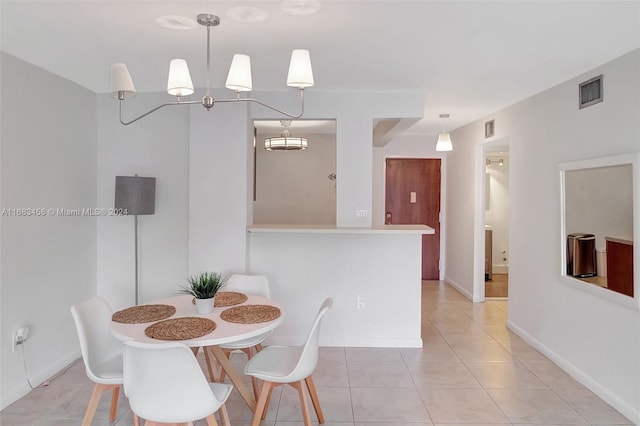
{"type": "Point", "coordinates": [205, 306]}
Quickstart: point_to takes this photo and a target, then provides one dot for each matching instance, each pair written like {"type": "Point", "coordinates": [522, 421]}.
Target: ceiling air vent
{"type": "Point", "coordinates": [591, 92]}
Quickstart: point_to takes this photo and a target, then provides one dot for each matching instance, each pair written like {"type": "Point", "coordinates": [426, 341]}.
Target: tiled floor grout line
{"type": "Point", "coordinates": [465, 364]}
{"type": "Point", "coordinates": [415, 385]}
{"type": "Point", "coordinates": [467, 359]}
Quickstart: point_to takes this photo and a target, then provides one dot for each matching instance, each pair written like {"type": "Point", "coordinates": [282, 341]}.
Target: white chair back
{"type": "Point", "coordinates": [165, 383]}
{"type": "Point", "coordinates": [250, 284]}
{"type": "Point", "coordinates": [92, 319]}
{"type": "Point", "coordinates": [309, 355]}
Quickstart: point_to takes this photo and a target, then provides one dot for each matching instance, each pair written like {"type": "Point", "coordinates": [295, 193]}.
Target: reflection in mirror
{"type": "Point", "coordinates": [599, 225]}
{"type": "Point", "coordinates": [295, 186]}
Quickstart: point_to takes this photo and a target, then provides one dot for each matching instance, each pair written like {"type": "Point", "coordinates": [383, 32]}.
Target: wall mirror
{"type": "Point", "coordinates": [295, 186]}
{"type": "Point", "coordinates": [600, 222]}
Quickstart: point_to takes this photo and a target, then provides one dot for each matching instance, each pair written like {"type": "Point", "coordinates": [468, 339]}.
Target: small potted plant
{"type": "Point", "coordinates": [203, 287]}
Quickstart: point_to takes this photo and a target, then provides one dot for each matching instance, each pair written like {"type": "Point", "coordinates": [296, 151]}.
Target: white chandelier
{"type": "Point", "coordinates": [285, 142]}
{"type": "Point", "coordinates": [239, 79]}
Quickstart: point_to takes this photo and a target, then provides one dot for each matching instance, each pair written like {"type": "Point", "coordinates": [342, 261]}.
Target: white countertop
{"type": "Point", "coordinates": [332, 229]}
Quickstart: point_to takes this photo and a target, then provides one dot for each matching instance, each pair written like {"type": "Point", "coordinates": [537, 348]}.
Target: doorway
{"type": "Point", "coordinates": [412, 196]}
{"type": "Point", "coordinates": [496, 222]}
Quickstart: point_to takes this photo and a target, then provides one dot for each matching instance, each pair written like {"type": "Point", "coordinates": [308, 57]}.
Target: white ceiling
{"type": "Point", "coordinates": [469, 58]}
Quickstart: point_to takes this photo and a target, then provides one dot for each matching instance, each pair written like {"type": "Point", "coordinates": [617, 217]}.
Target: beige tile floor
{"type": "Point", "coordinates": [471, 370]}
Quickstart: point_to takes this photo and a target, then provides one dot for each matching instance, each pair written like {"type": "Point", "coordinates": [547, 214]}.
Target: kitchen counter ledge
{"type": "Point", "coordinates": [331, 229]}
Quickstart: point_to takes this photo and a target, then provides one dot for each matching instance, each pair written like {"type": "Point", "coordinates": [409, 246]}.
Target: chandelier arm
{"type": "Point", "coordinates": [269, 106]}
{"type": "Point", "coordinates": [126, 123]}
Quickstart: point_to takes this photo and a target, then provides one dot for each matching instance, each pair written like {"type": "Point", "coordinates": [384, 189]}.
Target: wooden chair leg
{"type": "Point", "coordinates": [254, 384]}
{"type": "Point", "coordinates": [260, 405]}
{"type": "Point", "coordinates": [314, 398]}
{"type": "Point", "coordinates": [303, 402]}
{"type": "Point", "coordinates": [266, 404]}
{"type": "Point", "coordinates": [224, 415]}
{"type": "Point", "coordinates": [98, 389]}
{"type": "Point", "coordinates": [211, 420]}
{"type": "Point", "coordinates": [254, 381]}
{"type": "Point", "coordinates": [223, 374]}
{"type": "Point", "coordinates": [114, 404]}
{"type": "Point", "coordinates": [136, 420]}
{"type": "Point", "coordinates": [268, 401]}
{"type": "Point", "coordinates": [210, 367]}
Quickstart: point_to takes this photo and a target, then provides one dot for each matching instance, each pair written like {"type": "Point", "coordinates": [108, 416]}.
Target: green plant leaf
{"type": "Point", "coordinates": [204, 285]}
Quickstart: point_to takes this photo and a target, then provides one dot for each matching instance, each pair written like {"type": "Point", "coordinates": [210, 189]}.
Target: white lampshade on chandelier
{"type": "Point", "coordinates": [179, 84]}
{"type": "Point", "coordinates": [285, 142]}
{"type": "Point", "coordinates": [444, 138]}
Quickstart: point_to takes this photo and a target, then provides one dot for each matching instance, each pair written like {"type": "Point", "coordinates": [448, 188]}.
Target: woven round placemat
{"type": "Point", "coordinates": [226, 298]}
{"type": "Point", "coordinates": [229, 298]}
{"type": "Point", "coordinates": [143, 313]}
{"type": "Point", "coordinates": [180, 328]}
{"type": "Point", "coordinates": [250, 314]}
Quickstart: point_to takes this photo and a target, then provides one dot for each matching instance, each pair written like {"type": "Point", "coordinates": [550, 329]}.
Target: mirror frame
{"type": "Point", "coordinates": [618, 160]}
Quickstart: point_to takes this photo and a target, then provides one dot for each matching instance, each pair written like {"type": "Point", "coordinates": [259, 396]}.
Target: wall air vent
{"type": "Point", "coordinates": [591, 92]}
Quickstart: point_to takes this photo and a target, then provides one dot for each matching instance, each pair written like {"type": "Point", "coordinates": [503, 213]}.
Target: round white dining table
{"type": "Point", "coordinates": [225, 332]}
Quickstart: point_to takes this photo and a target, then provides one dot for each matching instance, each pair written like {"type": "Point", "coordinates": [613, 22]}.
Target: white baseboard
{"type": "Point", "coordinates": [500, 269]}
{"type": "Point", "coordinates": [458, 287]}
{"type": "Point", "coordinates": [605, 394]}
{"type": "Point", "coordinates": [9, 396]}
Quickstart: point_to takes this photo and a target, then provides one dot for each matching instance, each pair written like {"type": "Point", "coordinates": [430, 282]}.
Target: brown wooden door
{"type": "Point", "coordinates": [405, 176]}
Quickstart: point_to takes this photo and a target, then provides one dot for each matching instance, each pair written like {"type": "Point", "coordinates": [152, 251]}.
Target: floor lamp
{"type": "Point", "coordinates": [135, 195]}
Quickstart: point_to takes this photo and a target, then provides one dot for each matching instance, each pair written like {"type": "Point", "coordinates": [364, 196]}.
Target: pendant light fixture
{"type": "Point", "coordinates": [285, 142]}
{"type": "Point", "coordinates": [239, 80]}
{"type": "Point", "coordinates": [444, 139]}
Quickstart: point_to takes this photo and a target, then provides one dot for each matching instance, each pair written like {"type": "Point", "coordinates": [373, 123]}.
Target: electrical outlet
{"type": "Point", "coordinates": [360, 303]}
{"type": "Point", "coordinates": [20, 336]}
{"type": "Point", "coordinates": [362, 215]}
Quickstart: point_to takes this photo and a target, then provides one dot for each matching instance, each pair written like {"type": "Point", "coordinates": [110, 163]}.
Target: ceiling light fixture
{"type": "Point", "coordinates": [300, 7]}
{"type": "Point", "coordinates": [444, 139]}
{"type": "Point", "coordinates": [500, 162]}
{"type": "Point", "coordinates": [239, 79]}
{"type": "Point", "coordinates": [285, 142]}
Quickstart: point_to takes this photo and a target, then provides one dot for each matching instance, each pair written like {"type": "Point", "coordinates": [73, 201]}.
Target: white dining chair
{"type": "Point", "coordinates": [101, 353]}
{"type": "Point", "coordinates": [292, 365]}
{"type": "Point", "coordinates": [257, 285]}
{"type": "Point", "coordinates": [165, 385]}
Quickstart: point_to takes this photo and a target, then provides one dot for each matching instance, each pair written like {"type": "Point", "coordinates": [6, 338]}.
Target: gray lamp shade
{"type": "Point", "coordinates": [136, 195]}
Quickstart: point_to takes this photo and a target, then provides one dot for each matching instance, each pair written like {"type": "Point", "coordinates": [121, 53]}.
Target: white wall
{"type": "Point", "coordinates": [461, 166]}
{"type": "Point", "coordinates": [354, 113]}
{"type": "Point", "coordinates": [157, 146]}
{"type": "Point", "coordinates": [292, 187]}
{"type": "Point", "coordinates": [204, 169]}
{"type": "Point", "coordinates": [595, 340]}
{"type": "Point", "coordinates": [382, 269]}
{"type": "Point", "coordinates": [219, 190]}
{"type": "Point", "coordinates": [48, 262]}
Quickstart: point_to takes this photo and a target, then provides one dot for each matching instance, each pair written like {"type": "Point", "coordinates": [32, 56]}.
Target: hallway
{"type": "Point", "coordinates": [497, 286]}
{"type": "Point", "coordinates": [471, 370]}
